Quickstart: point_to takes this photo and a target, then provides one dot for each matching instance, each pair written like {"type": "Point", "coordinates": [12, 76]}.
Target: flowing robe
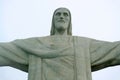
{"type": "Point", "coordinates": [78, 56]}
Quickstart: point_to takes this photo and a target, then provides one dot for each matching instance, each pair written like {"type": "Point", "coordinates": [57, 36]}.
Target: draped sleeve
{"type": "Point", "coordinates": [16, 53]}
{"type": "Point", "coordinates": [104, 54]}
{"type": "Point", "coordinates": [12, 55]}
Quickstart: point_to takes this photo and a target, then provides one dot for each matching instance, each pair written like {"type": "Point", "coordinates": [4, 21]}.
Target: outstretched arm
{"type": "Point", "coordinates": [10, 55]}
{"type": "Point", "coordinates": [42, 48]}
{"type": "Point", "coordinates": [104, 54]}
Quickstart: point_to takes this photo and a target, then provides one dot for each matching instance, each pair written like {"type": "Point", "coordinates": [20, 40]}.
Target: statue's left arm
{"type": "Point", "coordinates": [104, 54]}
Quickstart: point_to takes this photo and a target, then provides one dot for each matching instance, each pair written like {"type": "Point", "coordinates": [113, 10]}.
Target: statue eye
{"type": "Point", "coordinates": [65, 14]}
{"type": "Point", "coordinates": [58, 14]}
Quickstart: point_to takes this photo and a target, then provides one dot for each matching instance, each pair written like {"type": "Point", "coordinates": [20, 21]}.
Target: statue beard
{"type": "Point", "coordinates": [61, 29]}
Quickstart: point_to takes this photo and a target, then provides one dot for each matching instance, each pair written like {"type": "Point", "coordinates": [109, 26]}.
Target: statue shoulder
{"type": "Point", "coordinates": [82, 38]}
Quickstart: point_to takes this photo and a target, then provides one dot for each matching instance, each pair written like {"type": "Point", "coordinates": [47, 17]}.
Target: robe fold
{"type": "Point", "coordinates": [59, 57]}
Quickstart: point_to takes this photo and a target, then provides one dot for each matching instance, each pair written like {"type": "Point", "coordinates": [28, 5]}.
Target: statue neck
{"type": "Point", "coordinates": [61, 32]}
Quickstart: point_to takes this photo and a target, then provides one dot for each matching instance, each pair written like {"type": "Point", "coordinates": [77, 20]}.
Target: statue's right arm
{"type": "Point", "coordinates": [11, 55]}
{"type": "Point", "coordinates": [37, 47]}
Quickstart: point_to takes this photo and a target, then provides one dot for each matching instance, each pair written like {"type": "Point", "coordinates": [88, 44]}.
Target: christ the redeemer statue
{"type": "Point", "coordinates": [60, 56]}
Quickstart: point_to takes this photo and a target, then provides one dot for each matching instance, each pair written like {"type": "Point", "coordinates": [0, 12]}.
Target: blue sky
{"type": "Point", "coordinates": [98, 19]}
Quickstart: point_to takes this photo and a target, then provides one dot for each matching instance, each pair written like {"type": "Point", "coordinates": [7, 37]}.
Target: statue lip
{"type": "Point", "coordinates": [61, 20]}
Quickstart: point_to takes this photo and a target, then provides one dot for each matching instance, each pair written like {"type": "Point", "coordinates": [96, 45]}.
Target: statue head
{"type": "Point", "coordinates": [61, 20]}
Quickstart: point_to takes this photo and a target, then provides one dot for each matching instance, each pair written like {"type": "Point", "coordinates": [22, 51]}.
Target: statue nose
{"type": "Point", "coordinates": [61, 17]}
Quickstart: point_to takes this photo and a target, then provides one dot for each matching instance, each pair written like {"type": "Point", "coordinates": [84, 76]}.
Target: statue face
{"type": "Point", "coordinates": [61, 19]}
